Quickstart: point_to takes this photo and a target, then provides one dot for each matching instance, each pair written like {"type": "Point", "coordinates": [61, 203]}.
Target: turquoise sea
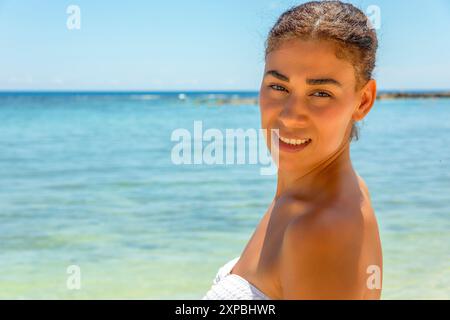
{"type": "Point", "coordinates": [87, 179]}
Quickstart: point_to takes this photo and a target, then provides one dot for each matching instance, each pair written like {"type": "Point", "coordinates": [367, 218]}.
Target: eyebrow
{"type": "Point", "coordinates": [323, 81]}
{"type": "Point", "coordinates": [320, 81]}
{"type": "Point", "coordinates": [276, 74]}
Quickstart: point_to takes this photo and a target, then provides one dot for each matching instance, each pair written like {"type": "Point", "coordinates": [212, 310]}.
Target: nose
{"type": "Point", "coordinates": [294, 114]}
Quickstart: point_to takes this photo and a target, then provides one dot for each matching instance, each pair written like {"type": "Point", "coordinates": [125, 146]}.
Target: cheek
{"type": "Point", "coordinates": [332, 123]}
{"type": "Point", "coordinates": [268, 110]}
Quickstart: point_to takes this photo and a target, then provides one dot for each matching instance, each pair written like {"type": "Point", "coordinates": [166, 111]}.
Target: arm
{"type": "Point", "coordinates": [319, 260]}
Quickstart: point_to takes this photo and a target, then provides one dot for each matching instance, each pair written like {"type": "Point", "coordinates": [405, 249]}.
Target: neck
{"type": "Point", "coordinates": [323, 179]}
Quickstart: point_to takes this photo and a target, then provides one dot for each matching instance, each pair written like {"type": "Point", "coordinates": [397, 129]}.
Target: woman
{"type": "Point", "coordinates": [319, 238]}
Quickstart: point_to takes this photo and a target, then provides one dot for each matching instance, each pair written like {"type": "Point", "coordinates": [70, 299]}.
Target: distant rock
{"type": "Point", "coordinates": [415, 95]}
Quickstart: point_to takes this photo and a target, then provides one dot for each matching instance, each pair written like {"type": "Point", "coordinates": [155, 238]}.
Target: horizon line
{"type": "Point", "coordinates": [140, 91]}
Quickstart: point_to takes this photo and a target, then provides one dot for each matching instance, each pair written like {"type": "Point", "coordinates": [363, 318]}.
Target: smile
{"type": "Point", "coordinates": [295, 141]}
{"type": "Point", "coordinates": [292, 145]}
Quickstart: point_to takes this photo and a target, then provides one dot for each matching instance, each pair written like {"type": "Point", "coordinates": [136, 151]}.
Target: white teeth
{"type": "Point", "coordinates": [294, 141]}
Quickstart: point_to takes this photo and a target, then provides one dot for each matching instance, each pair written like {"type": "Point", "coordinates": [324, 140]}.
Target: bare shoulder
{"type": "Point", "coordinates": [326, 246]}
{"type": "Point", "coordinates": [335, 228]}
{"type": "Point", "coordinates": [319, 255]}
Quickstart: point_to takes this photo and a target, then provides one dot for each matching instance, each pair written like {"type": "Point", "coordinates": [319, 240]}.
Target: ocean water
{"type": "Point", "coordinates": [88, 180]}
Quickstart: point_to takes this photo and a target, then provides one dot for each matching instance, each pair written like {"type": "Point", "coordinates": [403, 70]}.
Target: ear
{"type": "Point", "coordinates": [368, 95]}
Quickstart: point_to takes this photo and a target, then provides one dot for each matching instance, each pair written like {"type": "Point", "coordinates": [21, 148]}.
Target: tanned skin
{"type": "Point", "coordinates": [319, 238]}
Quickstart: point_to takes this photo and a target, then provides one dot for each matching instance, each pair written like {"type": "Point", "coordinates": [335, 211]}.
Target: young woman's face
{"type": "Point", "coordinates": [307, 93]}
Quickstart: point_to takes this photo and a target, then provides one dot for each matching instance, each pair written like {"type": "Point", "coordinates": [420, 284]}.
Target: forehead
{"type": "Point", "coordinates": [305, 58]}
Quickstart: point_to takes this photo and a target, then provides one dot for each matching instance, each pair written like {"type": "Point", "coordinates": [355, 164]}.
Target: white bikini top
{"type": "Point", "coordinates": [230, 286]}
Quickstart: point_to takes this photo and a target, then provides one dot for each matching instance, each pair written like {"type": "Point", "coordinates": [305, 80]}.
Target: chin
{"type": "Point", "coordinates": [290, 163]}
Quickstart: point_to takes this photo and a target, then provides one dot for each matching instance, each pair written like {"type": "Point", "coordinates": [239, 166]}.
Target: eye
{"type": "Point", "coordinates": [277, 87]}
{"type": "Point", "coordinates": [321, 94]}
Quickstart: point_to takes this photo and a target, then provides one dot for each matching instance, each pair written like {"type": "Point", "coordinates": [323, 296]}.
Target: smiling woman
{"type": "Point", "coordinates": [319, 238]}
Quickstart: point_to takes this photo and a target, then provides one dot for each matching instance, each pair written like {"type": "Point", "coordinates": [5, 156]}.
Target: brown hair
{"type": "Point", "coordinates": [342, 23]}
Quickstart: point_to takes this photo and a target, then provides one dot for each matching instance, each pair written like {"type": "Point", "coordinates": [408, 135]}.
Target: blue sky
{"type": "Point", "coordinates": [195, 45]}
